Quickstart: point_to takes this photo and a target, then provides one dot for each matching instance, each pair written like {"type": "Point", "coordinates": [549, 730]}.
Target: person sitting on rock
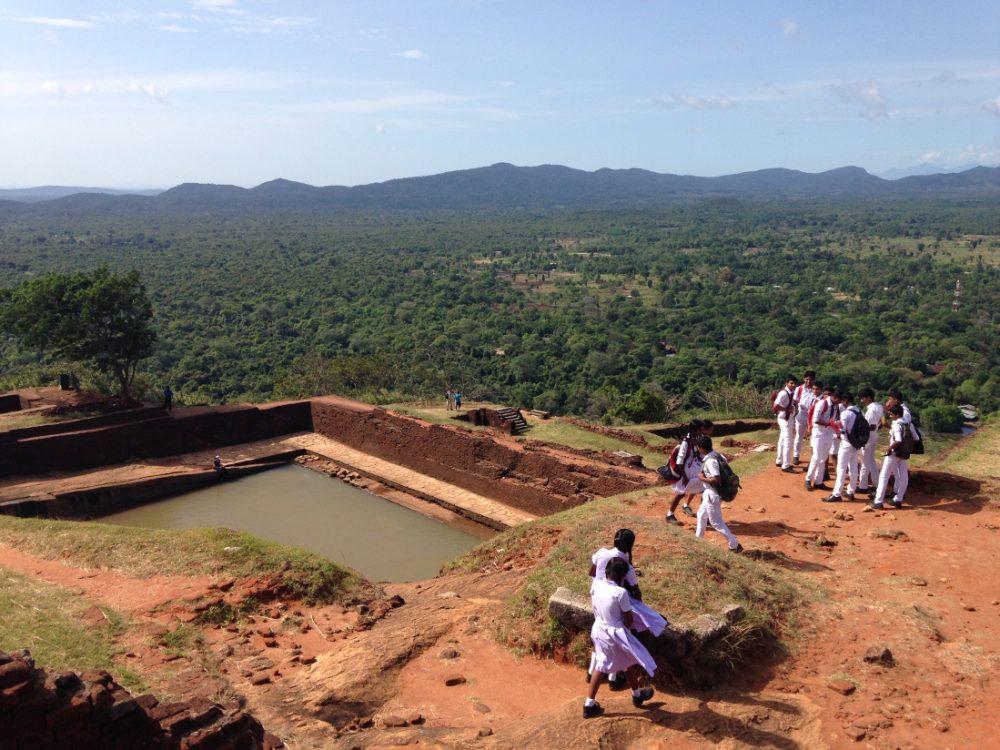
{"type": "Point", "coordinates": [615, 647]}
{"type": "Point", "coordinates": [221, 472]}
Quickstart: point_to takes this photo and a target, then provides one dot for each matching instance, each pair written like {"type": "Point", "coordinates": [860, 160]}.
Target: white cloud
{"type": "Point", "coordinates": [149, 89]}
{"type": "Point", "coordinates": [867, 93]}
{"type": "Point", "coordinates": [214, 4]}
{"type": "Point", "coordinates": [993, 106]}
{"type": "Point", "coordinates": [961, 157]}
{"type": "Point", "coordinates": [53, 87]}
{"type": "Point", "coordinates": [242, 24]}
{"type": "Point", "coordinates": [423, 100]}
{"type": "Point", "coordinates": [695, 101]}
{"type": "Point", "coordinates": [174, 28]}
{"type": "Point", "coordinates": [789, 27]}
{"type": "Point", "coordinates": [61, 23]}
{"type": "Point", "coordinates": [380, 128]}
{"type": "Point", "coordinates": [412, 54]}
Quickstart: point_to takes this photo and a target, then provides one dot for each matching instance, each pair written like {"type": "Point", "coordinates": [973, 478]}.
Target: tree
{"type": "Point", "coordinates": [95, 317]}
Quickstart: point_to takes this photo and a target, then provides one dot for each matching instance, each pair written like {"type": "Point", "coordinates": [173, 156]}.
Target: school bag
{"type": "Point", "coordinates": [777, 409]}
{"type": "Point", "coordinates": [918, 441]}
{"type": "Point", "coordinates": [670, 471]}
{"type": "Point", "coordinates": [860, 430]}
{"type": "Point", "coordinates": [729, 482]}
{"type": "Point", "coordinates": [905, 448]}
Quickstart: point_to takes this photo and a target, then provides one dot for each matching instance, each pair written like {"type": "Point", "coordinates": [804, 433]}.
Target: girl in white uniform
{"type": "Point", "coordinates": [689, 464]}
{"type": "Point", "coordinates": [616, 649]}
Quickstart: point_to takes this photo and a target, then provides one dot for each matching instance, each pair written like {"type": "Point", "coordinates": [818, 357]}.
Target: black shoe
{"type": "Point", "coordinates": [797, 461]}
{"type": "Point", "coordinates": [618, 684]}
{"type": "Point", "coordinates": [591, 712]}
{"type": "Point", "coordinates": [831, 499]}
{"type": "Point", "coordinates": [777, 463]}
{"type": "Point", "coordinates": [788, 470]}
{"type": "Point", "coordinates": [737, 549]}
{"type": "Point", "coordinates": [897, 504]}
{"type": "Point", "coordinates": [876, 506]}
{"type": "Point", "coordinates": [820, 486]}
{"type": "Point", "coordinates": [850, 497]}
{"type": "Point", "coordinates": [672, 519]}
{"type": "Point", "coordinates": [809, 486]}
{"type": "Point", "coordinates": [688, 510]}
{"type": "Point", "coordinates": [644, 695]}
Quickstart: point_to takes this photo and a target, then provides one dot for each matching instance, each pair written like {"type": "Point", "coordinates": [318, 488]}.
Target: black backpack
{"type": "Point", "coordinates": [905, 448]}
{"type": "Point", "coordinates": [860, 430]}
{"type": "Point", "coordinates": [729, 482]}
{"type": "Point", "coordinates": [670, 471]}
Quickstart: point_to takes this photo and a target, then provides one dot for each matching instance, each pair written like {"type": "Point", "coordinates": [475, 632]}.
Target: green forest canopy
{"type": "Point", "coordinates": [562, 310]}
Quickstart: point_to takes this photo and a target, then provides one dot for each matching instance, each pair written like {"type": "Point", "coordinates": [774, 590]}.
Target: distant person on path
{"type": "Point", "coordinates": [688, 463]}
{"type": "Point", "coordinates": [804, 399]}
{"type": "Point", "coordinates": [895, 464]}
{"type": "Point", "coordinates": [710, 511]}
{"type": "Point", "coordinates": [449, 398]}
{"type": "Point", "coordinates": [847, 454]}
{"type": "Point", "coordinates": [784, 409]}
{"type": "Point", "coordinates": [874, 412]}
{"type": "Point", "coordinates": [458, 400]}
{"type": "Point", "coordinates": [616, 649]}
{"type": "Point", "coordinates": [168, 398]}
{"type": "Point", "coordinates": [221, 472]}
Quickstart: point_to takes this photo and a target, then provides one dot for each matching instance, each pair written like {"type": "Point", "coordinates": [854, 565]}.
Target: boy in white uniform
{"type": "Point", "coordinates": [804, 398]}
{"type": "Point", "coordinates": [615, 647]}
{"type": "Point", "coordinates": [847, 454]}
{"type": "Point", "coordinates": [821, 420]}
{"type": "Point", "coordinates": [784, 409]}
{"type": "Point", "coordinates": [710, 511]}
{"type": "Point", "coordinates": [896, 460]}
{"type": "Point", "coordinates": [873, 415]}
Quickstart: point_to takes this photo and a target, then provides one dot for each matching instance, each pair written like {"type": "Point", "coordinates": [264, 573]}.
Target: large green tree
{"type": "Point", "coordinates": [94, 317]}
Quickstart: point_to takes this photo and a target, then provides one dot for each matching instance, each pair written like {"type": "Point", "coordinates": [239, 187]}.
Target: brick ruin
{"type": "Point", "coordinates": [40, 709]}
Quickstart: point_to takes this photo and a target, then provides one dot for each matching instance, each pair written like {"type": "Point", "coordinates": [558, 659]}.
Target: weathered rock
{"type": "Point", "coordinates": [392, 721]}
{"type": "Point", "coordinates": [571, 609]}
{"type": "Point", "coordinates": [454, 679]}
{"type": "Point", "coordinates": [879, 655]}
{"type": "Point", "coordinates": [887, 534]}
{"type": "Point", "coordinates": [844, 687]}
{"type": "Point", "coordinates": [449, 653]}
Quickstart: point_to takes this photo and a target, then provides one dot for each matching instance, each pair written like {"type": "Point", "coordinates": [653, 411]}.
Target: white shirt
{"type": "Point", "coordinates": [873, 415]}
{"type": "Point", "coordinates": [847, 417]}
{"type": "Point", "coordinates": [710, 468]}
{"type": "Point", "coordinates": [823, 413]}
{"type": "Point", "coordinates": [896, 430]}
{"type": "Point", "coordinates": [609, 602]}
{"type": "Point", "coordinates": [908, 419]}
{"type": "Point", "coordinates": [601, 559]}
{"type": "Point", "coordinates": [806, 399]}
{"type": "Point", "coordinates": [784, 401]}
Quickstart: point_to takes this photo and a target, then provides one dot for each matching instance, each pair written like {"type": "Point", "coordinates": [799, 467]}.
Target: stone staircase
{"type": "Point", "coordinates": [514, 418]}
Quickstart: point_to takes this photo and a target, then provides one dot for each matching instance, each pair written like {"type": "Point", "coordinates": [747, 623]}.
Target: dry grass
{"type": "Point", "coordinates": [976, 456]}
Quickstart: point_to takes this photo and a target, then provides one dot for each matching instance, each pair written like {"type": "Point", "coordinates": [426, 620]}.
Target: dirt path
{"type": "Point", "coordinates": [920, 581]}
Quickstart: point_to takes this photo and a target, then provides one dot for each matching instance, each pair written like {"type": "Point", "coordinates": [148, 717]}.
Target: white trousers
{"type": "Point", "coordinates": [869, 466]}
{"type": "Point", "coordinates": [847, 464]}
{"type": "Point", "coordinates": [893, 467]}
{"type": "Point", "coordinates": [822, 439]}
{"type": "Point", "coordinates": [801, 428]}
{"type": "Point", "coordinates": [710, 512]}
{"type": "Point", "coordinates": [786, 439]}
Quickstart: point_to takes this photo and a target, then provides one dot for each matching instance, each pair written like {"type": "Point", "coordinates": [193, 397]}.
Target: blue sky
{"type": "Point", "coordinates": [342, 93]}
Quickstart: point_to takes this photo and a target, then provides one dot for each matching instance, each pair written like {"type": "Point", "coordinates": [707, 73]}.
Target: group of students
{"type": "Point", "coordinates": [700, 469]}
{"type": "Point", "coordinates": [838, 428]}
{"type": "Point", "coordinates": [619, 615]}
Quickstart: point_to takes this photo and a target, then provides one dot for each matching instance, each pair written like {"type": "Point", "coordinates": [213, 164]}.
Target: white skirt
{"type": "Point", "coordinates": [645, 617]}
{"type": "Point", "coordinates": [616, 649]}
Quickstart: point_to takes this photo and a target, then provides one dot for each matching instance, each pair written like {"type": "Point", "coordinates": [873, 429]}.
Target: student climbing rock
{"type": "Point", "coordinates": [616, 649]}
{"type": "Point", "coordinates": [710, 511]}
{"type": "Point", "coordinates": [784, 409]}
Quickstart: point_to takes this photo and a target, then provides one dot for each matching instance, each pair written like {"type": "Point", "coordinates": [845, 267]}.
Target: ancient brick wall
{"type": "Point", "coordinates": [86, 443]}
{"type": "Point", "coordinates": [525, 478]}
{"type": "Point", "coordinates": [41, 710]}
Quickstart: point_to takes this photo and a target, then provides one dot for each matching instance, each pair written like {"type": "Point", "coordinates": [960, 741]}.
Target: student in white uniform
{"type": "Point", "coordinates": [804, 398]}
{"type": "Point", "coordinates": [615, 647]}
{"type": "Point", "coordinates": [689, 464]}
{"type": "Point", "coordinates": [784, 409]}
{"type": "Point", "coordinates": [895, 464]}
{"type": "Point", "coordinates": [821, 421]}
{"type": "Point", "coordinates": [847, 454]}
{"type": "Point", "coordinates": [710, 511]}
{"type": "Point", "coordinates": [873, 416]}
{"type": "Point", "coordinates": [644, 617]}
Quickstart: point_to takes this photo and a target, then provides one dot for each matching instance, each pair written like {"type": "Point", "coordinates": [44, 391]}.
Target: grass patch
{"type": "Point", "coordinates": [564, 433]}
{"type": "Point", "coordinates": [976, 456]}
{"type": "Point", "coordinates": [682, 577]}
{"type": "Point", "coordinates": [47, 620]}
{"type": "Point", "coordinates": [141, 553]}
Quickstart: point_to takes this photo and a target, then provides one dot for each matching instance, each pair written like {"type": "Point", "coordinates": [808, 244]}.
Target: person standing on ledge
{"type": "Point", "coordinates": [458, 400]}
{"type": "Point", "coordinates": [168, 398]}
{"type": "Point", "coordinates": [449, 398]}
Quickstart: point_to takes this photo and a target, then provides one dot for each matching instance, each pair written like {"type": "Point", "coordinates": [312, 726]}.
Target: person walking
{"type": "Point", "coordinates": [688, 464]}
{"type": "Point", "coordinates": [710, 510]}
{"type": "Point", "coordinates": [168, 399]}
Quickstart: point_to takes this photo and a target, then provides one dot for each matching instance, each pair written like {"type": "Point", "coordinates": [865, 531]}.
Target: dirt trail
{"type": "Point", "coordinates": [920, 581]}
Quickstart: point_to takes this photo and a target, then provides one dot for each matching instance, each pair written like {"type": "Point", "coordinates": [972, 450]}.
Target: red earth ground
{"type": "Point", "coordinates": [921, 581]}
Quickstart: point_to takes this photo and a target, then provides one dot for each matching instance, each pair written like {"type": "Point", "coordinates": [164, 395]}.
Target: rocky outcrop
{"type": "Point", "coordinates": [41, 710]}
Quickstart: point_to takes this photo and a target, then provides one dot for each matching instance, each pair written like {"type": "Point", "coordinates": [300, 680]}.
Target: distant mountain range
{"type": "Point", "coordinates": [508, 186]}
